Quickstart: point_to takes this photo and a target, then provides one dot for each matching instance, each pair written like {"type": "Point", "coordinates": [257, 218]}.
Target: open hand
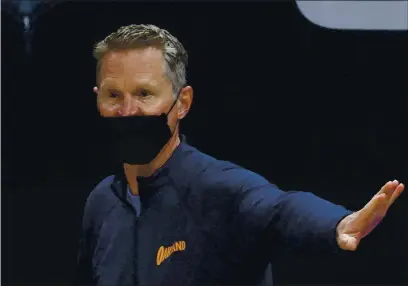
{"type": "Point", "coordinates": [359, 224]}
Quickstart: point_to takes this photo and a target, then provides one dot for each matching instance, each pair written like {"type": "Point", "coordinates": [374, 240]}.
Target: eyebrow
{"type": "Point", "coordinates": [135, 90]}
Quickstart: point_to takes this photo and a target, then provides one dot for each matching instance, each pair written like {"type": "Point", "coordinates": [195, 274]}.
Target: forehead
{"type": "Point", "coordinates": [144, 65]}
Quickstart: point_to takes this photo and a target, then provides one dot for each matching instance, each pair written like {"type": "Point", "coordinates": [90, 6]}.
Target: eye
{"type": "Point", "coordinates": [113, 94]}
{"type": "Point", "coordinates": [144, 93]}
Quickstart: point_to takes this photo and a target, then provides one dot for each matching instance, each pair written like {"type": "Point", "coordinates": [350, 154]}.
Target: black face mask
{"type": "Point", "coordinates": [139, 139]}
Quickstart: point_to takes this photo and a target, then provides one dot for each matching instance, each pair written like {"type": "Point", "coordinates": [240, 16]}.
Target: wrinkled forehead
{"type": "Point", "coordinates": [138, 66]}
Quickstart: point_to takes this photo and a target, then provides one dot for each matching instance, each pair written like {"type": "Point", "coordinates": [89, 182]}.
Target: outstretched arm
{"type": "Point", "coordinates": [296, 219]}
{"type": "Point", "coordinates": [303, 220]}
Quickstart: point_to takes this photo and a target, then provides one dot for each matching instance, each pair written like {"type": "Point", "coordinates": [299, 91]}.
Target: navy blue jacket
{"type": "Point", "coordinates": [203, 222]}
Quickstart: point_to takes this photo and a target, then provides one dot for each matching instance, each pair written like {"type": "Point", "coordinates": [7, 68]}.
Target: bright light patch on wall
{"type": "Point", "coordinates": [356, 15]}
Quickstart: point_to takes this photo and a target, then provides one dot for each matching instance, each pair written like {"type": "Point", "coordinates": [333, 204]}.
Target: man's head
{"type": "Point", "coordinates": [141, 70]}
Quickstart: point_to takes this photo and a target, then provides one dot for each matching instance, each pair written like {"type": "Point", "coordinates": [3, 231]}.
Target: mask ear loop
{"type": "Point", "coordinates": [175, 101]}
{"type": "Point", "coordinates": [171, 108]}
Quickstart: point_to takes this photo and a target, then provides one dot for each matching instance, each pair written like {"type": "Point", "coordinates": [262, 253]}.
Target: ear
{"type": "Point", "coordinates": [184, 102]}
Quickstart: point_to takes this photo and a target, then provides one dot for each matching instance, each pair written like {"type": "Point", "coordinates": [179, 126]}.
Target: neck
{"type": "Point", "coordinates": [134, 171]}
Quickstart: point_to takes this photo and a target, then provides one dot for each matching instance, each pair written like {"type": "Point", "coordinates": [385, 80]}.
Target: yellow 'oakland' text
{"type": "Point", "coordinates": [164, 252]}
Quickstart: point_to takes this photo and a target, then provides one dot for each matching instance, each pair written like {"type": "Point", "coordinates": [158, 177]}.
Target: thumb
{"type": "Point", "coordinates": [348, 242]}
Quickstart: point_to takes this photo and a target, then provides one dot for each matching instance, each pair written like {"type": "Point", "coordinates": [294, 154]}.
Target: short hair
{"type": "Point", "coordinates": [139, 36]}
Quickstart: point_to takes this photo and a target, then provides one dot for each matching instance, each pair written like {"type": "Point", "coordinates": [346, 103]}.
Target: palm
{"type": "Point", "coordinates": [359, 224]}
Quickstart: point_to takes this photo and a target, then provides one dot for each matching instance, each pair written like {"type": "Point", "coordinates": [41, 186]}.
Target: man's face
{"type": "Point", "coordinates": [133, 82]}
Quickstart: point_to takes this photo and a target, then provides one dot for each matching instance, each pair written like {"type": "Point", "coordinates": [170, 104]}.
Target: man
{"type": "Point", "coordinates": [175, 216]}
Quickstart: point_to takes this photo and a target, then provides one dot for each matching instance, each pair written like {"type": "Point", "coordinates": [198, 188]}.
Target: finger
{"type": "Point", "coordinates": [398, 191]}
{"type": "Point", "coordinates": [388, 188]}
{"type": "Point", "coordinates": [374, 206]}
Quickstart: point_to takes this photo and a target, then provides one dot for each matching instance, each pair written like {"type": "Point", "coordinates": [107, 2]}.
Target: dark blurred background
{"type": "Point", "coordinates": [309, 108]}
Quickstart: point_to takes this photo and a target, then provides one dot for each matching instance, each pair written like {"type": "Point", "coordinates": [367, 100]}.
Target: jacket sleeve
{"type": "Point", "coordinates": [298, 219]}
{"type": "Point", "coordinates": [83, 271]}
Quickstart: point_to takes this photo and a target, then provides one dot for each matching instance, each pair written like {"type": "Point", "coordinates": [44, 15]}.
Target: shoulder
{"type": "Point", "coordinates": [101, 190]}
{"type": "Point", "coordinates": [213, 175]}
{"type": "Point", "coordinates": [100, 201]}
{"type": "Point", "coordinates": [222, 187]}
